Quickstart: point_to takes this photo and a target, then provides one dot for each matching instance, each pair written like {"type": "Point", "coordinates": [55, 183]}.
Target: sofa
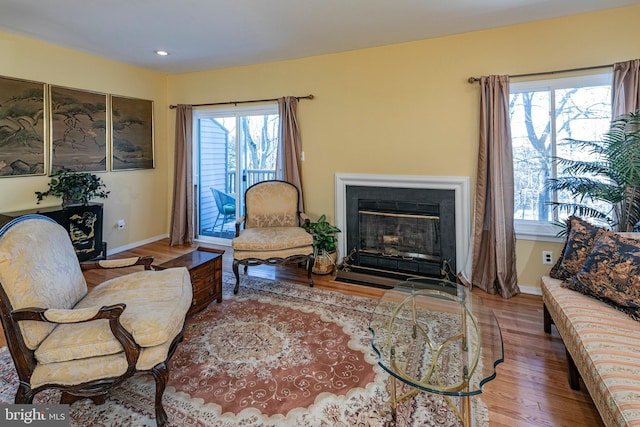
{"type": "Point", "coordinates": [592, 296]}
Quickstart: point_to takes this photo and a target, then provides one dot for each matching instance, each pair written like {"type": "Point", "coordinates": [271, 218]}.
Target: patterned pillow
{"type": "Point", "coordinates": [580, 240]}
{"type": "Point", "coordinates": [611, 273]}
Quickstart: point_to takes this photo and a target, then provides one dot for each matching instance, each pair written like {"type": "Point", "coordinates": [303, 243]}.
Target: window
{"type": "Point", "coordinates": [233, 149]}
{"type": "Point", "coordinates": [544, 114]}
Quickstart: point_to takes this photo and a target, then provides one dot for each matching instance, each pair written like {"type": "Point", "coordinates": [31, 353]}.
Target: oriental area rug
{"type": "Point", "coordinates": [276, 354]}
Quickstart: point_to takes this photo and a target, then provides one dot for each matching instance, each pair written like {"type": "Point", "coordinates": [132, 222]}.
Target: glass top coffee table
{"type": "Point", "coordinates": [435, 336]}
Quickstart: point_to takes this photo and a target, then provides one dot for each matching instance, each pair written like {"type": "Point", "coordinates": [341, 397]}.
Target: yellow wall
{"type": "Point", "coordinates": [139, 197]}
{"type": "Point", "coordinates": [407, 108]}
{"type": "Point", "coordinates": [400, 109]}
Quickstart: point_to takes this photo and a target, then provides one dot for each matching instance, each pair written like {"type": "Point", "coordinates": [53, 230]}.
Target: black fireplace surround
{"type": "Point", "coordinates": [400, 232]}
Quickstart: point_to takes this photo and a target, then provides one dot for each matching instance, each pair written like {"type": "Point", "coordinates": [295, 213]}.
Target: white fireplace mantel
{"type": "Point", "coordinates": [460, 185]}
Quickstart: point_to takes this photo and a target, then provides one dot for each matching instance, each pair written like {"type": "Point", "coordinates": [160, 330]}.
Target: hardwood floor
{"type": "Point", "coordinates": [531, 387]}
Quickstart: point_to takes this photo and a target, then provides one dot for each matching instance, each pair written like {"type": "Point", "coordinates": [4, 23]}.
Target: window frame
{"type": "Point", "coordinates": [543, 230]}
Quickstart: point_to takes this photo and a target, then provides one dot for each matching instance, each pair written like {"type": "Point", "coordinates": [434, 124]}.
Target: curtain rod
{"type": "Point", "coordinates": [544, 73]}
{"type": "Point", "coordinates": [242, 102]}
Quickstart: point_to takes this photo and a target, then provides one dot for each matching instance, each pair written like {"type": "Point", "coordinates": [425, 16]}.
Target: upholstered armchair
{"type": "Point", "coordinates": [61, 336]}
{"type": "Point", "coordinates": [272, 232]}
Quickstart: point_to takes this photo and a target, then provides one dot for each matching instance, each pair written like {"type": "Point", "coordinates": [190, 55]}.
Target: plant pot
{"type": "Point", "coordinates": [66, 202]}
{"type": "Point", "coordinates": [325, 263]}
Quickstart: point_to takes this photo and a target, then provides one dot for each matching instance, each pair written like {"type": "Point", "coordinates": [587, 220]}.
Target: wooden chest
{"type": "Point", "coordinates": [205, 270]}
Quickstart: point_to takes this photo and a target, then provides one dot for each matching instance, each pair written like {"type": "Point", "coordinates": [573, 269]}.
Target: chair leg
{"type": "Point", "coordinates": [161, 375]}
{"type": "Point", "coordinates": [235, 273]}
{"type": "Point", "coordinates": [310, 261]}
{"type": "Point", "coordinates": [547, 320]}
{"type": "Point", "coordinates": [213, 229]}
{"type": "Point", "coordinates": [225, 220]}
{"type": "Point", "coordinates": [574, 375]}
{"type": "Point", "coordinates": [24, 394]}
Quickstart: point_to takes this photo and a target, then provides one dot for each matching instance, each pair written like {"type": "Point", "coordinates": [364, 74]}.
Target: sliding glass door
{"type": "Point", "coordinates": [234, 149]}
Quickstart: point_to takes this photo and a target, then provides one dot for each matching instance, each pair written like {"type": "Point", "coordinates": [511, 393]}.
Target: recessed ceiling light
{"type": "Point", "coordinates": [161, 52]}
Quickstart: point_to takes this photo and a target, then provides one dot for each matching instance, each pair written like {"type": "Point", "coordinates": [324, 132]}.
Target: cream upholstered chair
{"type": "Point", "coordinates": [272, 231]}
{"type": "Point", "coordinates": [62, 337]}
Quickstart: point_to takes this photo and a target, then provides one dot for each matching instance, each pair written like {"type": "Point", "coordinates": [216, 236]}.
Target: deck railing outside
{"type": "Point", "coordinates": [251, 176]}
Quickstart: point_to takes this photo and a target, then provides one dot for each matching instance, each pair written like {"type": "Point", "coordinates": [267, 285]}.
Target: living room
{"type": "Point", "coordinates": [422, 85]}
{"type": "Point", "coordinates": [401, 109]}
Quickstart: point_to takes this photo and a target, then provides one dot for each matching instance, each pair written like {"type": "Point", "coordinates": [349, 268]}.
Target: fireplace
{"type": "Point", "coordinates": [402, 226]}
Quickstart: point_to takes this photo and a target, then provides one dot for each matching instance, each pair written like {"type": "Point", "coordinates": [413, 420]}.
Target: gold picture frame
{"type": "Point", "coordinates": [78, 130]}
{"type": "Point", "coordinates": [132, 137]}
{"type": "Point", "coordinates": [22, 127]}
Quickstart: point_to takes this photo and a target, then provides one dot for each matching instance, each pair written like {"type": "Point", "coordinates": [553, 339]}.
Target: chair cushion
{"type": "Point", "coordinates": [73, 372]}
{"type": "Point", "coordinates": [79, 371]}
{"type": "Point", "coordinates": [39, 268]}
{"type": "Point", "coordinates": [229, 208]}
{"type": "Point", "coordinates": [271, 239]}
{"type": "Point", "coordinates": [156, 301]}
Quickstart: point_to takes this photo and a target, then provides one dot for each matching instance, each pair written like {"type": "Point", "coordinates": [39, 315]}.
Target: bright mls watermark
{"type": "Point", "coordinates": [34, 415]}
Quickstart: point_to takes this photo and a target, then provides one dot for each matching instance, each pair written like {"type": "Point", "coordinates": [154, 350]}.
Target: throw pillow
{"type": "Point", "coordinates": [580, 240]}
{"type": "Point", "coordinates": [611, 273]}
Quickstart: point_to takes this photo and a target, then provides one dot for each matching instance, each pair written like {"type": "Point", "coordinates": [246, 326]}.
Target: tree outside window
{"type": "Point", "coordinates": [544, 115]}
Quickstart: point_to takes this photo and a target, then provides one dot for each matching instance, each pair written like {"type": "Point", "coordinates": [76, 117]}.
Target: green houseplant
{"type": "Point", "coordinates": [614, 177]}
{"type": "Point", "coordinates": [324, 244]}
{"type": "Point", "coordinates": [74, 187]}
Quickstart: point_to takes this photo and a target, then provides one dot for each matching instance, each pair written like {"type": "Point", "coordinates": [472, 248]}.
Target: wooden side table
{"type": "Point", "coordinates": [205, 270]}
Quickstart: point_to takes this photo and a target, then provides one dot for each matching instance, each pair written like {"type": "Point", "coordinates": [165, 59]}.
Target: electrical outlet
{"type": "Point", "coordinates": [547, 257]}
{"type": "Point", "coordinates": [121, 224]}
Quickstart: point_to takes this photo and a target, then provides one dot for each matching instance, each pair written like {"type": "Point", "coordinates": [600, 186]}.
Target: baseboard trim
{"type": "Point", "coordinates": [112, 251]}
{"type": "Point", "coordinates": [531, 290]}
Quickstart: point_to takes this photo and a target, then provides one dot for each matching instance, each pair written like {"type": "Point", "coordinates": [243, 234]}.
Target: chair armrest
{"type": "Point", "coordinates": [304, 219]}
{"type": "Point", "coordinates": [111, 313]}
{"type": "Point", "coordinates": [118, 263]}
{"type": "Point", "coordinates": [57, 315]}
{"type": "Point", "coordinates": [239, 222]}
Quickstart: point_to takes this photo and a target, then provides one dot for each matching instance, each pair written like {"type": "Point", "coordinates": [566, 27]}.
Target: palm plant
{"type": "Point", "coordinates": [613, 177]}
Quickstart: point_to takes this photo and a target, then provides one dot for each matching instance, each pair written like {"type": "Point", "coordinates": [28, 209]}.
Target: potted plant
{"type": "Point", "coordinates": [324, 244]}
{"type": "Point", "coordinates": [75, 188]}
{"type": "Point", "coordinates": [613, 177]}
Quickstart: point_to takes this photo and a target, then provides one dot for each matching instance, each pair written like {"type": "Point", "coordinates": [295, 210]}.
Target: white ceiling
{"type": "Point", "coordinates": [209, 34]}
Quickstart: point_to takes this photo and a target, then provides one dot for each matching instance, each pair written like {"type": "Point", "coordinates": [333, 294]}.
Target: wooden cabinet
{"type": "Point", "coordinates": [205, 270]}
{"type": "Point", "coordinates": [83, 222]}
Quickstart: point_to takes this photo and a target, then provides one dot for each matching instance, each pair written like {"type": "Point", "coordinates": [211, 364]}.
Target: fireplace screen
{"type": "Point", "coordinates": [407, 236]}
{"type": "Point", "coordinates": [397, 233]}
{"type": "Point", "coordinates": [399, 236]}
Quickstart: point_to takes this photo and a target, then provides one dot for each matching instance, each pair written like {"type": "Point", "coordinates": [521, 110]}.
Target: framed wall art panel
{"type": "Point", "coordinates": [78, 130]}
{"type": "Point", "coordinates": [22, 127]}
{"type": "Point", "coordinates": [132, 145]}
